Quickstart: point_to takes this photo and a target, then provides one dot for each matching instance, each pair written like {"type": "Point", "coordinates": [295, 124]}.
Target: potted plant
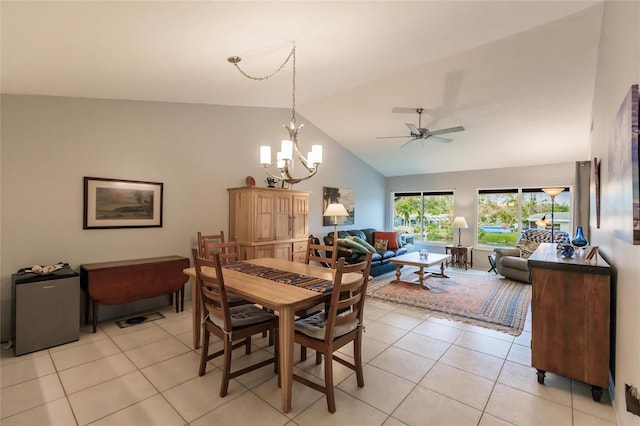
{"type": "Point", "coordinates": [271, 182]}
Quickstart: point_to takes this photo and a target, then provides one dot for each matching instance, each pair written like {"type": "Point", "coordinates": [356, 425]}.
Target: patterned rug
{"type": "Point", "coordinates": [474, 297]}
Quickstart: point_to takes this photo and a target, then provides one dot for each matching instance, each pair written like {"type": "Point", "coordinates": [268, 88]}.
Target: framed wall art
{"type": "Point", "coordinates": [596, 189]}
{"type": "Point", "coordinates": [622, 189]}
{"type": "Point", "coordinates": [343, 196]}
{"type": "Point", "coordinates": [118, 203]}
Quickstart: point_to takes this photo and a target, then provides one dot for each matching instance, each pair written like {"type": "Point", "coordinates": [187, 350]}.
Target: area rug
{"type": "Point", "coordinates": [474, 297]}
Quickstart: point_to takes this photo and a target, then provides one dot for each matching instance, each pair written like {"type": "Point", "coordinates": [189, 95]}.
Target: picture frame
{"type": "Point", "coordinates": [343, 196]}
{"type": "Point", "coordinates": [596, 180]}
{"type": "Point", "coordinates": [621, 198]}
{"type": "Point", "coordinates": [120, 203]}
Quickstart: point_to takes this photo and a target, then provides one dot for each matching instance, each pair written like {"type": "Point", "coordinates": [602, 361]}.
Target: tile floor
{"type": "Point", "coordinates": [419, 370]}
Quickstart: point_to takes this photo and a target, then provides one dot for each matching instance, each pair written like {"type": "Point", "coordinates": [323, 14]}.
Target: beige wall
{"type": "Point", "coordinates": [618, 67]}
{"type": "Point", "coordinates": [197, 151]}
{"type": "Point", "coordinates": [466, 184]}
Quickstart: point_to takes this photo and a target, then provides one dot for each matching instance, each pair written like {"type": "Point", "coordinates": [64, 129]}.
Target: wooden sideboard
{"type": "Point", "coordinates": [112, 283]}
{"type": "Point", "coordinates": [269, 222]}
{"type": "Point", "coordinates": [570, 311]}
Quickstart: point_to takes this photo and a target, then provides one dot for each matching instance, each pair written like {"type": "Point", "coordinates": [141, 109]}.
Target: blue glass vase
{"type": "Point", "coordinates": [579, 240]}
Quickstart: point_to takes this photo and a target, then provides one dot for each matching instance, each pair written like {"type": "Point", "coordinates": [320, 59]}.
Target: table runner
{"type": "Point", "coordinates": [285, 277]}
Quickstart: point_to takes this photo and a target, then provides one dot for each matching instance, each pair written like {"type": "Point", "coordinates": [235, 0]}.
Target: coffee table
{"type": "Point", "coordinates": [414, 259]}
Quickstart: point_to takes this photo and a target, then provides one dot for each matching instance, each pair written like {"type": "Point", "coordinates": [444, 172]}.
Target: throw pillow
{"type": "Point", "coordinates": [381, 244]}
{"type": "Point", "coordinates": [364, 243]}
{"type": "Point", "coordinates": [392, 237]}
{"type": "Point", "coordinates": [352, 244]}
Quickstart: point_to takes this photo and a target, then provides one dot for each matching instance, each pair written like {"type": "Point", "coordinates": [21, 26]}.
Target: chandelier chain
{"type": "Point", "coordinates": [266, 77]}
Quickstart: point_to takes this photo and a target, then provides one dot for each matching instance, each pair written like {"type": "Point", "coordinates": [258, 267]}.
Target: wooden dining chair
{"type": "Point", "coordinates": [314, 253]}
{"type": "Point", "coordinates": [229, 323]}
{"type": "Point", "coordinates": [212, 238]}
{"type": "Point", "coordinates": [328, 331]}
{"type": "Point", "coordinates": [229, 251]}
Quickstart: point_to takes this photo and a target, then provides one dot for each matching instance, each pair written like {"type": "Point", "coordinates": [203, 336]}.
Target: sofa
{"type": "Point", "coordinates": [380, 261]}
{"type": "Point", "coordinates": [513, 262]}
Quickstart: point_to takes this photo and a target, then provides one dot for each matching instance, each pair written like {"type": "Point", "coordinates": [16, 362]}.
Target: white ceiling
{"type": "Point", "coordinates": [518, 75]}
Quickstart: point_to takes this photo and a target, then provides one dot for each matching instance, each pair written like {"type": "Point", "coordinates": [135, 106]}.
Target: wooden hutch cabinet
{"type": "Point", "coordinates": [570, 311]}
{"type": "Point", "coordinates": [269, 222]}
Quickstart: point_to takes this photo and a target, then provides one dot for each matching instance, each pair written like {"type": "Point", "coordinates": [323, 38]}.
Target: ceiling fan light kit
{"type": "Point", "coordinates": [421, 133]}
{"type": "Point", "coordinates": [285, 157]}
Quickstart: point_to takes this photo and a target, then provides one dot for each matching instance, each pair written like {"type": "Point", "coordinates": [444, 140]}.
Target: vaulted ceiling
{"type": "Point", "coordinates": [518, 75]}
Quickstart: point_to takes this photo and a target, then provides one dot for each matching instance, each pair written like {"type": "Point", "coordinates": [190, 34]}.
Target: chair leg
{"type": "Point", "coordinates": [319, 358]}
{"type": "Point", "coordinates": [276, 355]}
{"type": "Point", "coordinates": [357, 357]}
{"type": "Point", "coordinates": [303, 353]}
{"type": "Point", "coordinates": [247, 345]}
{"type": "Point", "coordinates": [204, 351]}
{"type": "Point", "coordinates": [226, 368]}
{"type": "Point", "coordinates": [328, 382]}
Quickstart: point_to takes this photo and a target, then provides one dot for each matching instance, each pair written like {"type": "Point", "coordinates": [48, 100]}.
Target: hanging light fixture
{"type": "Point", "coordinates": [289, 149]}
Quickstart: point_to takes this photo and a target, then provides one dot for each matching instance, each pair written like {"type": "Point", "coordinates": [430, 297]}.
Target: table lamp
{"type": "Point", "coordinates": [335, 210]}
{"type": "Point", "coordinates": [460, 222]}
{"type": "Point", "coordinates": [552, 192]}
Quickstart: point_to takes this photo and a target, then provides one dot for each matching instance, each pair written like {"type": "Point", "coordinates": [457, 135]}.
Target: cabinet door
{"type": "Point", "coordinates": [300, 214]}
{"type": "Point", "coordinates": [260, 252]}
{"type": "Point", "coordinates": [282, 210]}
{"type": "Point", "coordinates": [264, 216]}
{"type": "Point", "coordinates": [282, 251]}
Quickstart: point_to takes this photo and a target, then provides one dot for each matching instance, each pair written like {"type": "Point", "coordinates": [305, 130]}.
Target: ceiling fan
{"type": "Point", "coordinates": [421, 133]}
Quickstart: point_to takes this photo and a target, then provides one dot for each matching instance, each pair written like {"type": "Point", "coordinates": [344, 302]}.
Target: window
{"type": "Point", "coordinates": [427, 216]}
{"type": "Point", "coordinates": [504, 213]}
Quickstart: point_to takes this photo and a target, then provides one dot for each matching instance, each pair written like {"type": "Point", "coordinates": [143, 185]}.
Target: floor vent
{"type": "Point", "coordinates": [139, 319]}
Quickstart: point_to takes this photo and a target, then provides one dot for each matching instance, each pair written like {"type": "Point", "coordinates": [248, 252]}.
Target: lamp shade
{"type": "Point", "coordinates": [460, 222]}
{"type": "Point", "coordinates": [552, 192]}
{"type": "Point", "coordinates": [336, 210]}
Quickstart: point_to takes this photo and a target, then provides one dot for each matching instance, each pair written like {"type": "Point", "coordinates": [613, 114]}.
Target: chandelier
{"type": "Point", "coordinates": [285, 158]}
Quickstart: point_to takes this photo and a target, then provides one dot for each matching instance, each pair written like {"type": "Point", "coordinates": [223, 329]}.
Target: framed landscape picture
{"type": "Point", "coordinates": [117, 203]}
{"type": "Point", "coordinates": [343, 196]}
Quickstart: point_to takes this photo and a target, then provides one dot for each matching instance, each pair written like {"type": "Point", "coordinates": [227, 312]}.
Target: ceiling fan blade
{"type": "Point", "coordinates": [414, 130]}
{"type": "Point", "coordinates": [439, 139]}
{"type": "Point", "coordinates": [391, 137]}
{"type": "Point", "coordinates": [449, 130]}
{"type": "Point", "coordinates": [403, 110]}
{"type": "Point", "coordinates": [408, 142]}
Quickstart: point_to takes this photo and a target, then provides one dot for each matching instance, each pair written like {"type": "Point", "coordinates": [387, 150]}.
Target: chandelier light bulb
{"type": "Point", "coordinates": [287, 149]}
{"type": "Point", "coordinates": [265, 155]}
{"type": "Point", "coordinates": [317, 154]}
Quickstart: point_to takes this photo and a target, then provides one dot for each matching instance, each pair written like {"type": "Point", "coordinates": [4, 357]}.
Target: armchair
{"type": "Point", "coordinates": [513, 262]}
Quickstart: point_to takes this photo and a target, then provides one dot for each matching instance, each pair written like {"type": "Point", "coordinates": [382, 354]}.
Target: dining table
{"type": "Point", "coordinates": [283, 298]}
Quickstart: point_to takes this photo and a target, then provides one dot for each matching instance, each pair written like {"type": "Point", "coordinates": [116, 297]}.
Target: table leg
{"type": "Point", "coordinates": [287, 331]}
{"type": "Point", "coordinates": [195, 312]}
{"type": "Point", "coordinates": [398, 267]}
{"type": "Point", "coordinates": [421, 279]}
{"type": "Point", "coordinates": [442, 271]}
{"type": "Point", "coordinates": [95, 314]}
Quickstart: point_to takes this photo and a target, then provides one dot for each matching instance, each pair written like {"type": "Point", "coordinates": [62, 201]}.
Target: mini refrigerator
{"type": "Point", "coordinates": [46, 310]}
